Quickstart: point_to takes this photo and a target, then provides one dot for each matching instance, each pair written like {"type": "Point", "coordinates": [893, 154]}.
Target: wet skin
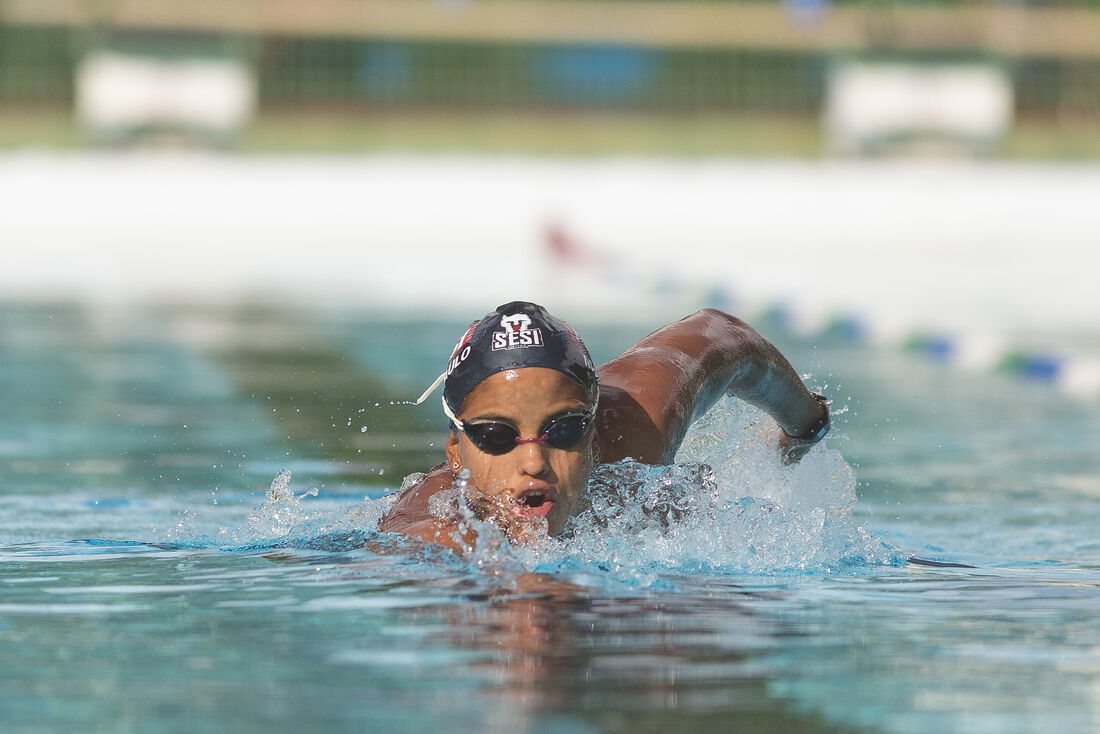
{"type": "Point", "coordinates": [649, 395]}
{"type": "Point", "coordinates": [534, 479]}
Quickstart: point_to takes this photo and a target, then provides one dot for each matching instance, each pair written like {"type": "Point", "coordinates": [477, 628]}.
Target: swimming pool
{"type": "Point", "coordinates": [159, 570]}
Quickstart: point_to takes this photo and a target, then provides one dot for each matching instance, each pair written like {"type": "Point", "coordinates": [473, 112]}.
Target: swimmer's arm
{"type": "Point", "coordinates": [432, 530]}
{"type": "Point", "coordinates": [677, 373]}
{"type": "Point", "coordinates": [410, 516]}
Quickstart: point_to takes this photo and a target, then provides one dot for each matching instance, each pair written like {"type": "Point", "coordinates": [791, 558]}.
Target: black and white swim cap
{"type": "Point", "coordinates": [517, 334]}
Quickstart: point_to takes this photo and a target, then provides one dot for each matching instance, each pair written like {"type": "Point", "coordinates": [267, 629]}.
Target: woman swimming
{"type": "Point", "coordinates": [531, 415]}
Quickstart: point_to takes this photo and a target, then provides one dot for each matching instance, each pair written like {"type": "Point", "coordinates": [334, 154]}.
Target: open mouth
{"type": "Point", "coordinates": [534, 503]}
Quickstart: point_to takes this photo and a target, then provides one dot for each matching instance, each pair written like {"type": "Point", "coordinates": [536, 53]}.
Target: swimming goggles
{"type": "Point", "coordinates": [561, 431]}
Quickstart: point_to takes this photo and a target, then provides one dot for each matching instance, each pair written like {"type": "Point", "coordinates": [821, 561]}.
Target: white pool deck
{"type": "Point", "coordinates": [984, 253]}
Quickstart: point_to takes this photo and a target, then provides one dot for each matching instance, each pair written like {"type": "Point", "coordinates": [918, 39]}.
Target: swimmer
{"type": "Point", "coordinates": [531, 415]}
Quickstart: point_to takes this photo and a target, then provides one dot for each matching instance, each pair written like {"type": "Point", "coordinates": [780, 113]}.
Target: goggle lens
{"type": "Point", "coordinates": [561, 432]}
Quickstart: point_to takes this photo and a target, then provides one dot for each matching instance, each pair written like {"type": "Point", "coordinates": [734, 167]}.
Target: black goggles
{"type": "Point", "coordinates": [561, 432]}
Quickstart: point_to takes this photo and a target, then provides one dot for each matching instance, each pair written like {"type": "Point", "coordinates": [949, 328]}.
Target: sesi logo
{"type": "Point", "coordinates": [517, 333]}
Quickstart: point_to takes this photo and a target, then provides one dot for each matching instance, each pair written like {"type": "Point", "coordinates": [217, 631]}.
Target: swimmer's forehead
{"type": "Point", "coordinates": [528, 392]}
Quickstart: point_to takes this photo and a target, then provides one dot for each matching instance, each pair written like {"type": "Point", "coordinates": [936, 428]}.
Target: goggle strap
{"type": "Point", "coordinates": [450, 413]}
{"type": "Point", "coordinates": [434, 386]}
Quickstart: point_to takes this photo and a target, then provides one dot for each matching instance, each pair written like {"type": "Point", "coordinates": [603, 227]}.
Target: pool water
{"type": "Point", "coordinates": [188, 499]}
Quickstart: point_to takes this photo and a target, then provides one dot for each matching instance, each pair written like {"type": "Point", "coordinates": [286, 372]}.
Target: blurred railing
{"type": "Point", "coordinates": [1015, 28]}
{"type": "Point", "coordinates": [544, 54]}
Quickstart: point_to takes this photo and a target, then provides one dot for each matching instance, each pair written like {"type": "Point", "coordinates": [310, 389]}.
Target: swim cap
{"type": "Point", "coordinates": [517, 334]}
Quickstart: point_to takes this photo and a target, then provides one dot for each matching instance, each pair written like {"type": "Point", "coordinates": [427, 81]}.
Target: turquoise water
{"type": "Point", "coordinates": [187, 509]}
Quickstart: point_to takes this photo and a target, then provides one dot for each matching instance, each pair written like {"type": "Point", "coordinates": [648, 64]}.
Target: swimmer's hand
{"type": "Point", "coordinates": [793, 448]}
{"type": "Point", "coordinates": [791, 453]}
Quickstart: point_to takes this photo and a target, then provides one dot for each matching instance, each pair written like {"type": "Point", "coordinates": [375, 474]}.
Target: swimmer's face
{"type": "Point", "coordinates": [534, 479]}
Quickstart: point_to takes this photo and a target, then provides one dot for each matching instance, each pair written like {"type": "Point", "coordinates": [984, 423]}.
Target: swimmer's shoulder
{"type": "Point", "coordinates": [625, 428]}
{"type": "Point", "coordinates": [411, 506]}
{"type": "Point", "coordinates": [410, 515]}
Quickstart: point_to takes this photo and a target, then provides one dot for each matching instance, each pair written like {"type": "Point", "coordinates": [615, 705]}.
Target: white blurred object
{"type": "Point", "coordinates": [871, 106]}
{"type": "Point", "coordinates": [122, 93]}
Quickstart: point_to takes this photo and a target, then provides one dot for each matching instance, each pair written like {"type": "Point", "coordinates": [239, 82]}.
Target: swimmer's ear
{"type": "Point", "coordinates": [454, 452]}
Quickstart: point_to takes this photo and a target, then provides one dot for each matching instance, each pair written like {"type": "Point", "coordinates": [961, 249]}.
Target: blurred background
{"type": "Point", "coordinates": [923, 172]}
{"type": "Point", "coordinates": [237, 236]}
{"type": "Point", "coordinates": [795, 78]}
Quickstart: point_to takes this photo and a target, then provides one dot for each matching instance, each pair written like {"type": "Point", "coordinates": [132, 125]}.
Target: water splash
{"type": "Point", "coordinates": [729, 507]}
{"type": "Point", "coordinates": [493, 551]}
{"type": "Point", "coordinates": [282, 521]}
{"type": "Point", "coordinates": [282, 510]}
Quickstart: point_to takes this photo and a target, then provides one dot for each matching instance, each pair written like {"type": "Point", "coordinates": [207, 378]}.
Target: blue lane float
{"type": "Point", "coordinates": [1075, 374]}
{"type": "Point", "coordinates": [1037, 367]}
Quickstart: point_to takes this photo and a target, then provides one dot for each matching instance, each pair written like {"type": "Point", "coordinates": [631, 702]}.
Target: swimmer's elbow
{"type": "Point", "coordinates": [722, 319]}
{"type": "Point", "coordinates": [729, 335]}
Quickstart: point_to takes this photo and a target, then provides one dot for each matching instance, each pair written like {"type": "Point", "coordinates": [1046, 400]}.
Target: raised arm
{"type": "Point", "coordinates": [652, 392]}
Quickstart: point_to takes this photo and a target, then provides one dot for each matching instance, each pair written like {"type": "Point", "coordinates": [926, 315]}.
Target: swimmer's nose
{"type": "Point", "coordinates": [532, 458]}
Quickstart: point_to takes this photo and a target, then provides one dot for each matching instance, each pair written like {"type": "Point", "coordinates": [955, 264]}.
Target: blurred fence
{"type": "Point", "coordinates": [672, 56]}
